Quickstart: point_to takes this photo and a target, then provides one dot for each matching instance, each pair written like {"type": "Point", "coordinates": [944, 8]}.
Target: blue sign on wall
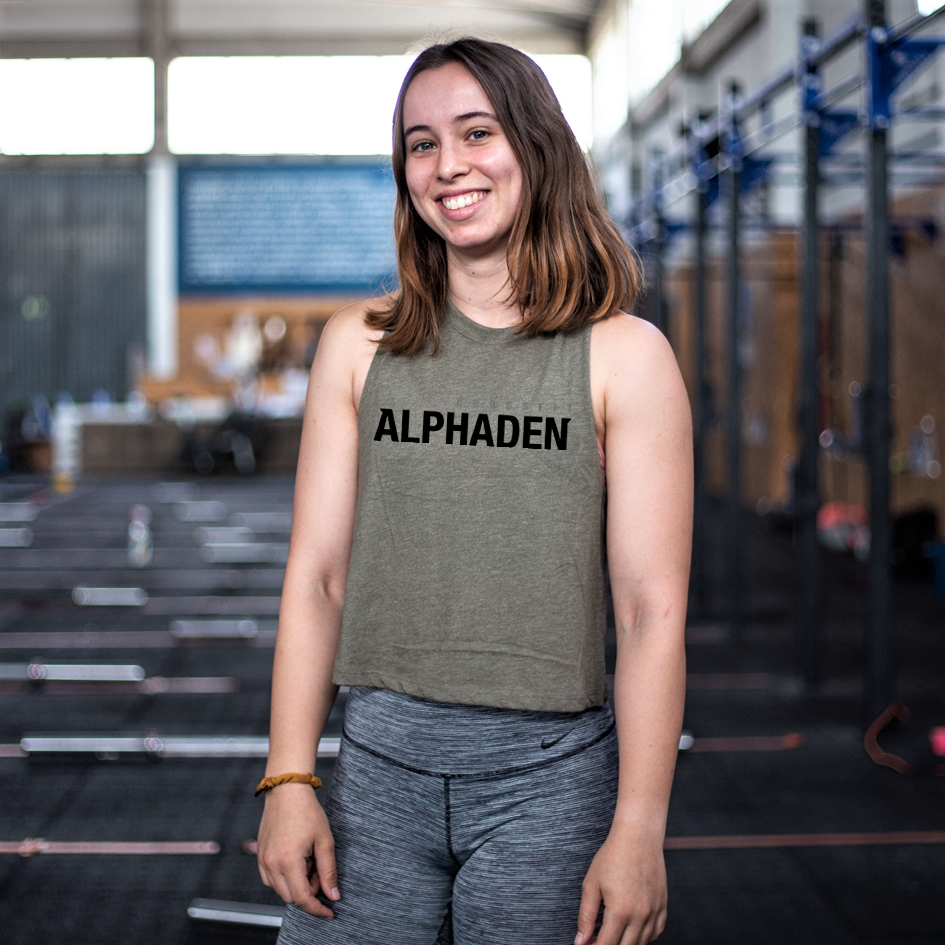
{"type": "Point", "coordinates": [306, 228]}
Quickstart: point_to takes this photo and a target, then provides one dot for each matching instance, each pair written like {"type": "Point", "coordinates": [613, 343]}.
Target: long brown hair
{"type": "Point", "coordinates": [567, 263]}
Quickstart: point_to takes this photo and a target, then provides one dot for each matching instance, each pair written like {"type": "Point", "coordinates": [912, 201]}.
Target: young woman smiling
{"type": "Point", "coordinates": [452, 515]}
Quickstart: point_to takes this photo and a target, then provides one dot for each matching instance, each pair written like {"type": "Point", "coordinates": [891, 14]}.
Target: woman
{"type": "Point", "coordinates": [447, 555]}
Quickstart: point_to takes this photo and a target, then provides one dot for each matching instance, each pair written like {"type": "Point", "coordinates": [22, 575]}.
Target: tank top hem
{"type": "Point", "coordinates": [521, 700]}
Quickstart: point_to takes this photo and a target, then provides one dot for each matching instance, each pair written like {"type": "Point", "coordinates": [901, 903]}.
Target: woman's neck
{"type": "Point", "coordinates": [479, 288]}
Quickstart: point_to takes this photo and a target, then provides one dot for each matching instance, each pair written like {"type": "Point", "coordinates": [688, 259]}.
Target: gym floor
{"type": "Point", "coordinates": [782, 828]}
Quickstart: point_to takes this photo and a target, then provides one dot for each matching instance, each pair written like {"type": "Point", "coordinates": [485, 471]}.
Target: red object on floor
{"type": "Point", "coordinates": [937, 738]}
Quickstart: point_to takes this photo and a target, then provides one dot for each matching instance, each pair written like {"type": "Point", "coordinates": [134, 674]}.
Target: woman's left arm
{"type": "Point", "coordinates": [642, 406]}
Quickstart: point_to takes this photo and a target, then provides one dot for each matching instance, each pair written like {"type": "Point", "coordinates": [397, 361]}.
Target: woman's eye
{"type": "Point", "coordinates": [479, 135]}
{"type": "Point", "coordinates": [422, 146]}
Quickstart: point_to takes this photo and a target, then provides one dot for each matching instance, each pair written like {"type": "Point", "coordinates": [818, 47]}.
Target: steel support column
{"type": "Point", "coordinates": [699, 577]}
{"type": "Point", "coordinates": [658, 245]}
{"type": "Point", "coordinates": [806, 492]}
{"type": "Point", "coordinates": [162, 264]}
{"type": "Point", "coordinates": [155, 40]}
{"type": "Point", "coordinates": [880, 623]}
{"type": "Point", "coordinates": [734, 533]}
{"type": "Point", "coordinates": [162, 203]}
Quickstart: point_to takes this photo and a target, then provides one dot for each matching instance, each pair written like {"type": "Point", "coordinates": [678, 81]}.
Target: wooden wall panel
{"type": "Point", "coordinates": [769, 359]}
{"type": "Point", "coordinates": [771, 354]}
{"type": "Point", "coordinates": [214, 317]}
{"type": "Point", "coordinates": [304, 317]}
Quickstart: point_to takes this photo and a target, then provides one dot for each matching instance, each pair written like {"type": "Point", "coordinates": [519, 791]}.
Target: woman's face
{"type": "Point", "coordinates": [463, 177]}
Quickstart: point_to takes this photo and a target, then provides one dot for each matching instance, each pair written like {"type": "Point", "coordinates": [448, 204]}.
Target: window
{"type": "Point", "coordinates": [76, 106]}
{"type": "Point", "coordinates": [314, 104]}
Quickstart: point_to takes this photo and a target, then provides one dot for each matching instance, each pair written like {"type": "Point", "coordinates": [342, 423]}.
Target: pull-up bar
{"type": "Point", "coordinates": [715, 160]}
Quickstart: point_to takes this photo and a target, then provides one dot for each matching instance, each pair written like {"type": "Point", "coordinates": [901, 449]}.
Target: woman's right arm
{"type": "Point", "coordinates": [294, 827]}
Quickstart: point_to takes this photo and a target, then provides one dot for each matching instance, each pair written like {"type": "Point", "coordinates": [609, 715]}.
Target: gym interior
{"type": "Point", "coordinates": [190, 188]}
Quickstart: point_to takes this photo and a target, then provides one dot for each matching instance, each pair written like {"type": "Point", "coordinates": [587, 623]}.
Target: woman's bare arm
{"type": "Point", "coordinates": [294, 827]}
{"type": "Point", "coordinates": [642, 403]}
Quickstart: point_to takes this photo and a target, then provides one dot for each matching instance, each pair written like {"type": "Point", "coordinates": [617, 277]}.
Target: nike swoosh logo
{"type": "Point", "coordinates": [548, 742]}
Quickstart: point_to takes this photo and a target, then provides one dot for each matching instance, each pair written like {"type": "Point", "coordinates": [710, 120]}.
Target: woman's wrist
{"type": "Point", "coordinates": [288, 777]}
{"type": "Point", "coordinates": [640, 824]}
{"type": "Point", "coordinates": [284, 793]}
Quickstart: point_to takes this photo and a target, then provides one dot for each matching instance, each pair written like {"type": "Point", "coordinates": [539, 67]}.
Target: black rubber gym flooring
{"type": "Point", "coordinates": [782, 829]}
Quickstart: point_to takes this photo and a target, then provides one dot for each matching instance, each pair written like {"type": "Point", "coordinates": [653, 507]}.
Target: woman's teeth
{"type": "Point", "coordinates": [457, 203]}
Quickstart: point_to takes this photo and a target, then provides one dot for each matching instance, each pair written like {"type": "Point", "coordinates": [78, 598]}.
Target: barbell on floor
{"type": "Point", "coordinates": [236, 913]}
{"type": "Point", "coordinates": [112, 747]}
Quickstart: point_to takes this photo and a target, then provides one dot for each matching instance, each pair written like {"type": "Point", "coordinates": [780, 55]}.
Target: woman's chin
{"type": "Point", "coordinates": [477, 245]}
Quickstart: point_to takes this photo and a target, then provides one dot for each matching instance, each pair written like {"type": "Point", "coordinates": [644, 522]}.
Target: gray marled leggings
{"type": "Point", "coordinates": [462, 824]}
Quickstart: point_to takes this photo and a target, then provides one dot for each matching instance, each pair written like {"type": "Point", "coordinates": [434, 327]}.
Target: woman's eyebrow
{"type": "Point", "coordinates": [467, 115]}
{"type": "Point", "coordinates": [459, 118]}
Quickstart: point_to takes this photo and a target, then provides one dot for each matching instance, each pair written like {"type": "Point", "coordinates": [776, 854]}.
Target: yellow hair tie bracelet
{"type": "Point", "coordinates": [267, 784]}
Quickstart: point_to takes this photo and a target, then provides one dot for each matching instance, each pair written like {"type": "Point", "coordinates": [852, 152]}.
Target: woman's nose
{"type": "Point", "coordinates": [452, 163]}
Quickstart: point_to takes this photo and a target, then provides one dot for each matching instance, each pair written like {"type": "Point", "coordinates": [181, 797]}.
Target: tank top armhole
{"type": "Point", "coordinates": [369, 377]}
{"type": "Point", "coordinates": [589, 394]}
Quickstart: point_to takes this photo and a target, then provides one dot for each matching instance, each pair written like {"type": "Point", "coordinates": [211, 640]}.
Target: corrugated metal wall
{"type": "Point", "coordinates": [72, 281]}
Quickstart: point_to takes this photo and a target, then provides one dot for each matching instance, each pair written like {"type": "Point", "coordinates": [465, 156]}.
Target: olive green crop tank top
{"type": "Point", "coordinates": [477, 565]}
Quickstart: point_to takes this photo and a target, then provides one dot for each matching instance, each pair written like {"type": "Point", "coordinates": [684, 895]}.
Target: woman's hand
{"type": "Point", "coordinates": [629, 875]}
{"type": "Point", "coordinates": [293, 833]}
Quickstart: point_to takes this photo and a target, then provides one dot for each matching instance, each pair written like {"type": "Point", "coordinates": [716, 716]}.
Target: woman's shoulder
{"type": "Point", "coordinates": [347, 339]}
{"type": "Point", "coordinates": [349, 323]}
{"type": "Point", "coordinates": [346, 348]}
{"type": "Point", "coordinates": [634, 371]}
{"type": "Point", "coordinates": [629, 344]}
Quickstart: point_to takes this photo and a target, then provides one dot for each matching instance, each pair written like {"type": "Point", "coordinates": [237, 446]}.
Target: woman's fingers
{"type": "Point", "coordinates": [614, 929]}
{"type": "Point", "coordinates": [660, 924]}
{"type": "Point", "coordinates": [629, 929]}
{"type": "Point", "coordinates": [274, 881]}
{"type": "Point", "coordinates": [300, 891]}
{"type": "Point", "coordinates": [325, 866]}
{"type": "Point", "coordinates": [587, 914]}
{"type": "Point", "coordinates": [291, 876]}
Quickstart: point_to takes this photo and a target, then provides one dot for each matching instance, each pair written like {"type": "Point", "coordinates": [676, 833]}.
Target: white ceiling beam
{"type": "Point", "coordinates": [155, 41]}
{"type": "Point", "coordinates": [49, 47]}
{"type": "Point", "coordinates": [41, 47]}
{"type": "Point", "coordinates": [92, 28]}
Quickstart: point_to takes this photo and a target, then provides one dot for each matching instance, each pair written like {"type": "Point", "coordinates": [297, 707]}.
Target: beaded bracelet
{"type": "Point", "coordinates": [267, 784]}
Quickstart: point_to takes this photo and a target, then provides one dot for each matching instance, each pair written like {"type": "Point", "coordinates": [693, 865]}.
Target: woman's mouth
{"type": "Point", "coordinates": [463, 200]}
